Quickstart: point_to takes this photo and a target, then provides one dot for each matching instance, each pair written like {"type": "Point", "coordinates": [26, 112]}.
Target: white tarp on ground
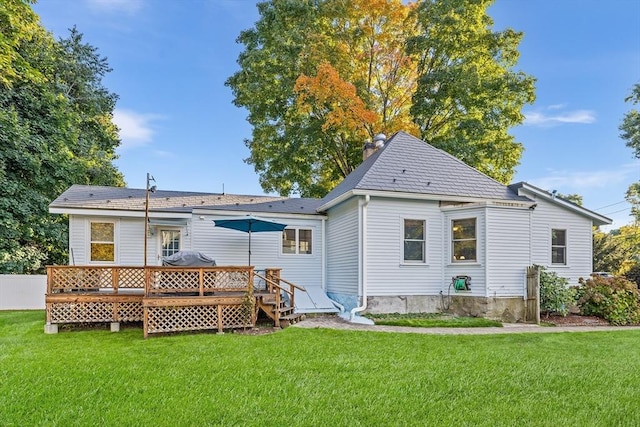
{"type": "Point", "coordinates": [315, 300]}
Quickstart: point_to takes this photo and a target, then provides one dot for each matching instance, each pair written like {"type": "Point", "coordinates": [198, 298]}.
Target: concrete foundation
{"type": "Point", "coordinates": [510, 310]}
{"type": "Point", "coordinates": [50, 328]}
{"type": "Point", "coordinates": [115, 326]}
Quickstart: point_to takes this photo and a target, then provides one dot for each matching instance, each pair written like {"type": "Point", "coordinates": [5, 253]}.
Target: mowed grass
{"type": "Point", "coordinates": [427, 320]}
{"type": "Point", "coordinates": [315, 377]}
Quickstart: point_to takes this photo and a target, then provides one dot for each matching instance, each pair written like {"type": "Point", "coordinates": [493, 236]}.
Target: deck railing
{"type": "Point", "coordinates": [201, 280]}
{"type": "Point", "coordinates": [154, 280]}
{"type": "Point", "coordinates": [69, 278]}
{"type": "Point", "coordinates": [166, 299]}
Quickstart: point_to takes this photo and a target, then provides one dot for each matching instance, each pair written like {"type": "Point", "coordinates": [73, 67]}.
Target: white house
{"type": "Point", "coordinates": [389, 238]}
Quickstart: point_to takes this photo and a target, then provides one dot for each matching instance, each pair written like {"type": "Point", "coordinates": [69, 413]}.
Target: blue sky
{"type": "Point", "coordinates": [177, 120]}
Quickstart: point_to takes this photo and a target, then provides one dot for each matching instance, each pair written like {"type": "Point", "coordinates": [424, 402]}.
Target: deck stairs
{"type": "Point", "coordinates": [279, 310]}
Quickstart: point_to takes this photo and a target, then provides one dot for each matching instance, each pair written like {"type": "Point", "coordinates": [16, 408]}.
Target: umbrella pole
{"type": "Point", "coordinates": [249, 246]}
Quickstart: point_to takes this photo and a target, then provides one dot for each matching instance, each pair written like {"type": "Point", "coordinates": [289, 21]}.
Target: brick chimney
{"type": "Point", "coordinates": [371, 147]}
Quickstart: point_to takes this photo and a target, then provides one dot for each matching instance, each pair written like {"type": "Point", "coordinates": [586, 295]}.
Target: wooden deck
{"type": "Point", "coordinates": [166, 299]}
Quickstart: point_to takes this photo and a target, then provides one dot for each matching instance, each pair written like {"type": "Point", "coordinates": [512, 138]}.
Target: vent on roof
{"type": "Point", "coordinates": [379, 140]}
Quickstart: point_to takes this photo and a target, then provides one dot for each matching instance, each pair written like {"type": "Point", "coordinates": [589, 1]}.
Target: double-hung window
{"type": "Point", "coordinates": [464, 240]}
{"type": "Point", "coordinates": [414, 240]}
{"type": "Point", "coordinates": [297, 241]}
{"type": "Point", "coordinates": [102, 242]}
{"type": "Point", "coordinates": [558, 247]}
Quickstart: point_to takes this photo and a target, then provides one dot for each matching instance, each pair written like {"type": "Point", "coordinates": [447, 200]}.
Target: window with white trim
{"type": "Point", "coordinates": [558, 246]}
{"type": "Point", "coordinates": [297, 241]}
{"type": "Point", "coordinates": [414, 240]}
{"type": "Point", "coordinates": [464, 240]}
{"type": "Point", "coordinates": [103, 246]}
{"type": "Point", "coordinates": [170, 241]}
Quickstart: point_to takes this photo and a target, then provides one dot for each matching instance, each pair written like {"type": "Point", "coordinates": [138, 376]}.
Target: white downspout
{"type": "Point", "coordinates": [323, 262]}
{"type": "Point", "coordinates": [487, 276]}
{"type": "Point", "coordinates": [362, 256]}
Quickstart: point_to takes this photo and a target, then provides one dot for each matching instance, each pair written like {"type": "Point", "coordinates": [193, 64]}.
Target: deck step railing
{"type": "Point", "coordinates": [278, 300]}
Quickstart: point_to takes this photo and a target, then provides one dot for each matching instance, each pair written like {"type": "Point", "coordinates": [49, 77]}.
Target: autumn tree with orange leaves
{"type": "Point", "coordinates": [319, 77]}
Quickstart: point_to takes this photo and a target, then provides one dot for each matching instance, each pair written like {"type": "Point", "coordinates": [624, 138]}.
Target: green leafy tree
{"type": "Point", "coordinates": [630, 126]}
{"type": "Point", "coordinates": [18, 26]}
{"type": "Point", "coordinates": [573, 198]}
{"type": "Point", "coordinates": [55, 130]}
{"type": "Point", "coordinates": [468, 95]}
{"type": "Point", "coordinates": [439, 89]}
{"type": "Point", "coordinates": [608, 253]}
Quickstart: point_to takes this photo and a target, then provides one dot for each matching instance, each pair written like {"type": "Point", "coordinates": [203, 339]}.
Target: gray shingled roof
{"type": "Point", "coordinates": [409, 165]}
{"type": "Point", "coordinates": [132, 199]}
{"type": "Point", "coordinates": [284, 205]}
{"type": "Point", "coordinates": [405, 164]}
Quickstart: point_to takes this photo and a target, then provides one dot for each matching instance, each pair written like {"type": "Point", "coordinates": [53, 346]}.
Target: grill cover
{"type": "Point", "coordinates": [188, 259]}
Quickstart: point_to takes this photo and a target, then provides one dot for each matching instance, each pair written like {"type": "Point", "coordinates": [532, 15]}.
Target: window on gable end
{"type": "Point", "coordinates": [558, 246]}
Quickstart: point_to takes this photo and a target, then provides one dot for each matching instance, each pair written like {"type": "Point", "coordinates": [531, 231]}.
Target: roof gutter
{"type": "Point", "coordinates": [411, 196]}
{"type": "Point", "coordinates": [362, 255]}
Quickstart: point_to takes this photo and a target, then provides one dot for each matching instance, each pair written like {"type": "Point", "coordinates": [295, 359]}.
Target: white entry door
{"type": "Point", "coordinates": [170, 242]}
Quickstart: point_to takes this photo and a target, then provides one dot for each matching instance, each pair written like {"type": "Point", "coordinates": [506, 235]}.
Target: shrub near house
{"type": "Point", "coordinates": [555, 295]}
{"type": "Point", "coordinates": [616, 300]}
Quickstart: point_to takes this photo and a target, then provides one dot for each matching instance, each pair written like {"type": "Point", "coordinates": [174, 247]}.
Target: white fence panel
{"type": "Point", "coordinates": [22, 292]}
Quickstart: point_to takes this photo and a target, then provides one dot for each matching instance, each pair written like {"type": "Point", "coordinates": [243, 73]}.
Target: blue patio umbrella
{"type": "Point", "coordinates": [249, 224]}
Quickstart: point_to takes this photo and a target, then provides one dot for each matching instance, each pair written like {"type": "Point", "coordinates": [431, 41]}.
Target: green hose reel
{"type": "Point", "coordinates": [461, 283]}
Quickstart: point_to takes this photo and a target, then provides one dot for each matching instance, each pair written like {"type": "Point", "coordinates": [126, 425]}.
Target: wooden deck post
{"type": "Point", "coordinates": [115, 279]}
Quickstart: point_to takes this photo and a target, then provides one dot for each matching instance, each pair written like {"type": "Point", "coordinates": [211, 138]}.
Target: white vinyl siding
{"type": "Point", "coordinates": [131, 242]}
{"type": "Point", "coordinates": [342, 248]}
{"type": "Point", "coordinates": [475, 269]}
{"type": "Point", "coordinates": [579, 256]}
{"type": "Point", "coordinates": [508, 251]}
{"type": "Point", "coordinates": [387, 273]}
{"type": "Point", "coordinates": [77, 240]}
{"type": "Point", "coordinates": [231, 247]}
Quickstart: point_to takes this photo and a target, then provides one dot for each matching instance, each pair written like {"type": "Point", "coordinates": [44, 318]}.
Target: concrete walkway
{"type": "Point", "coordinates": [335, 322]}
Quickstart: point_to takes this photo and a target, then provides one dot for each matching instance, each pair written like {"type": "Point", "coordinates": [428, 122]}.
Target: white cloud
{"type": "Point", "coordinates": [135, 128]}
{"type": "Point", "coordinates": [537, 118]}
{"type": "Point", "coordinates": [556, 106]}
{"type": "Point", "coordinates": [568, 182]}
{"type": "Point", "coordinates": [129, 7]}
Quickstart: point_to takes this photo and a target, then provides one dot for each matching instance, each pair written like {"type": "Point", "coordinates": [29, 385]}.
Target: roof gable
{"type": "Point", "coordinates": [528, 189]}
{"type": "Point", "coordinates": [407, 164]}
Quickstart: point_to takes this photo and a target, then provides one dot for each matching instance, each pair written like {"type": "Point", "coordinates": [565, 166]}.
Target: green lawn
{"type": "Point", "coordinates": [315, 377]}
{"type": "Point", "coordinates": [428, 320]}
